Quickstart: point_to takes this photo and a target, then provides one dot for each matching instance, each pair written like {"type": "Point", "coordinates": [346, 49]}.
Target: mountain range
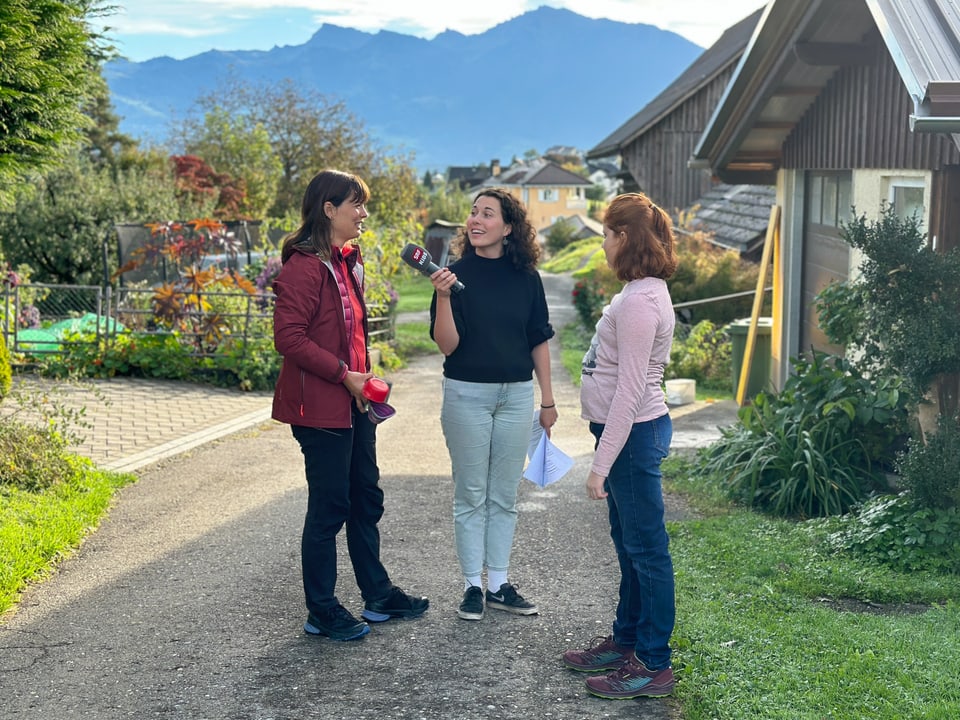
{"type": "Point", "coordinates": [545, 78]}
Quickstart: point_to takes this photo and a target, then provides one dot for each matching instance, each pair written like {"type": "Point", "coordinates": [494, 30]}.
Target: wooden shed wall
{"type": "Point", "coordinates": [945, 209]}
{"type": "Point", "coordinates": [862, 120]}
{"type": "Point", "coordinates": [658, 158]}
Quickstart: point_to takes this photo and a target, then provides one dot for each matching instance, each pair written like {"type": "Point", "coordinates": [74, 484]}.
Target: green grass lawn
{"type": "Point", "coordinates": [414, 290]}
{"type": "Point", "coordinates": [413, 338]}
{"type": "Point", "coordinates": [37, 529]}
{"type": "Point", "coordinates": [771, 624]}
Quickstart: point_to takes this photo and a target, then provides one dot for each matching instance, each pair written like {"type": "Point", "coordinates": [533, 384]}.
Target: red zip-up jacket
{"type": "Point", "coordinates": [310, 331]}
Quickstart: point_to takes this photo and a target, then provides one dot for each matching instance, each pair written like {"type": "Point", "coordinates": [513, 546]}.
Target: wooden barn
{"type": "Point", "coordinates": [655, 144]}
{"type": "Point", "coordinates": [842, 104]}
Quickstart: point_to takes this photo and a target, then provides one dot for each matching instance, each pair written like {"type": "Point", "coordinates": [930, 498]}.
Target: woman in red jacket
{"type": "Point", "coordinates": [320, 329]}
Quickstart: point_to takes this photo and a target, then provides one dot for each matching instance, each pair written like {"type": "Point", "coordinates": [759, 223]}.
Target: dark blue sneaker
{"type": "Point", "coordinates": [396, 604]}
{"type": "Point", "coordinates": [336, 623]}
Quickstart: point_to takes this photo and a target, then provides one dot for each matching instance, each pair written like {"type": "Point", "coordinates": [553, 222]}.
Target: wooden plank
{"type": "Point", "coordinates": [771, 239]}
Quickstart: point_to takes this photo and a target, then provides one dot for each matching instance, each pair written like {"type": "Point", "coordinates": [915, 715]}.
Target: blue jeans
{"type": "Point", "coordinates": [343, 483]}
{"type": "Point", "coordinates": [487, 427]}
{"type": "Point", "coordinates": [646, 611]}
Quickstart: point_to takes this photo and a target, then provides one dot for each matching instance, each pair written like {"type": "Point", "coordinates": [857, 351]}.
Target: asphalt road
{"type": "Point", "coordinates": [187, 604]}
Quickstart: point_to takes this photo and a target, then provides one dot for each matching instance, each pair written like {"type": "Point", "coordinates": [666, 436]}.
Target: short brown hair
{"type": "Point", "coordinates": [648, 246]}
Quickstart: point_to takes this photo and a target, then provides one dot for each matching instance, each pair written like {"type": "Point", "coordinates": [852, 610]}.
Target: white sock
{"type": "Point", "coordinates": [496, 578]}
{"type": "Point", "coordinates": [472, 581]}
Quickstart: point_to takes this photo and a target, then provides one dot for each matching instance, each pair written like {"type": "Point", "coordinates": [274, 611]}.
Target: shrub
{"type": "Point", "coordinates": [254, 365]}
{"type": "Point", "coordinates": [706, 271]}
{"type": "Point", "coordinates": [153, 355]}
{"type": "Point", "coordinates": [35, 437]}
{"type": "Point", "coordinates": [815, 449]}
{"type": "Point", "coordinates": [901, 312]}
{"type": "Point", "coordinates": [930, 469]}
{"type": "Point", "coordinates": [588, 301]}
{"type": "Point", "coordinates": [560, 235]}
{"type": "Point", "coordinates": [389, 359]}
{"type": "Point", "coordinates": [703, 355]}
{"type": "Point", "coordinates": [34, 458]}
{"type": "Point", "coordinates": [894, 530]}
{"type": "Point", "coordinates": [842, 313]}
{"type": "Point", "coordinates": [191, 303]}
{"type": "Point", "coordinates": [593, 289]}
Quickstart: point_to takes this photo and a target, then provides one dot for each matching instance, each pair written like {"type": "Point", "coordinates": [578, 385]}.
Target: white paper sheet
{"type": "Point", "coordinates": [548, 463]}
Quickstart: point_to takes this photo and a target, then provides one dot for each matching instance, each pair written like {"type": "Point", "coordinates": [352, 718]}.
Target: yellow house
{"type": "Point", "coordinates": [548, 191]}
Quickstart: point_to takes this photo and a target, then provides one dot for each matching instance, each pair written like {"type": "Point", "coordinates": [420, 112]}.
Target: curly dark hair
{"type": "Point", "coordinates": [520, 245]}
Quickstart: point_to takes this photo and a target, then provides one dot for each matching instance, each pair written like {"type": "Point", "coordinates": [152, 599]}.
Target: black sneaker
{"type": "Point", "coordinates": [507, 598]}
{"type": "Point", "coordinates": [472, 606]}
{"type": "Point", "coordinates": [336, 623]}
{"type": "Point", "coordinates": [397, 604]}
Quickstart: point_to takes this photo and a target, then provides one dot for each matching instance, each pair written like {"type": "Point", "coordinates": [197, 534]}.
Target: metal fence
{"type": "Point", "coordinates": [39, 319]}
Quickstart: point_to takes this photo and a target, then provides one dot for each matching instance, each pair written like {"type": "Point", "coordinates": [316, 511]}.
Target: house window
{"type": "Point", "coordinates": [548, 195]}
{"type": "Point", "coordinates": [906, 197]}
{"type": "Point", "coordinates": [829, 198]}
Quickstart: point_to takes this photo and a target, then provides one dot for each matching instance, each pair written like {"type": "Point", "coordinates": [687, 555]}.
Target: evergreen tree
{"type": "Point", "coordinates": [48, 68]}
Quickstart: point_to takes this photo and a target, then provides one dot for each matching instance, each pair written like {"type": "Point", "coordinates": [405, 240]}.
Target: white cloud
{"type": "Point", "coordinates": [702, 21]}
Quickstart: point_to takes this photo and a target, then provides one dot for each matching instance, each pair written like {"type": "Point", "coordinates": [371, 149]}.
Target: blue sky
{"type": "Point", "coordinates": [144, 29]}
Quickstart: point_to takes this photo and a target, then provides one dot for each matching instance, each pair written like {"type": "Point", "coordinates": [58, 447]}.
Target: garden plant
{"type": "Point", "coordinates": [843, 439]}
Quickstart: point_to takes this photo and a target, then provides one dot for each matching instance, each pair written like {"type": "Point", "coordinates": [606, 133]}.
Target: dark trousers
{"type": "Point", "coordinates": [646, 610]}
{"type": "Point", "coordinates": [343, 489]}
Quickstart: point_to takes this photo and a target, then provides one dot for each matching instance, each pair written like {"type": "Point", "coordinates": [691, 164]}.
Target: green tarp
{"type": "Point", "coordinates": [47, 340]}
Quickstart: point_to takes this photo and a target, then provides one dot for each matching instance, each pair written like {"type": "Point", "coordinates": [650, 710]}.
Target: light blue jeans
{"type": "Point", "coordinates": [487, 427]}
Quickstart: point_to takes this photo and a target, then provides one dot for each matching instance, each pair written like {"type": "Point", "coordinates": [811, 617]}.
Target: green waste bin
{"type": "Point", "coordinates": [762, 350]}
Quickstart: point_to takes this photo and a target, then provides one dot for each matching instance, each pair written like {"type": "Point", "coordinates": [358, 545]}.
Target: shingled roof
{"type": "Point", "coordinates": [546, 174]}
{"type": "Point", "coordinates": [580, 226]}
{"type": "Point", "coordinates": [737, 216]}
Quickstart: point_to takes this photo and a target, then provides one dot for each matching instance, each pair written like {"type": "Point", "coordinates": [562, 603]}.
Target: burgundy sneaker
{"type": "Point", "coordinates": [602, 655]}
{"type": "Point", "coordinates": [632, 680]}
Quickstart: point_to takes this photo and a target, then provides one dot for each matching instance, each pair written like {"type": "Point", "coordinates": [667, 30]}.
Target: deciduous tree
{"type": "Point", "coordinates": [239, 145]}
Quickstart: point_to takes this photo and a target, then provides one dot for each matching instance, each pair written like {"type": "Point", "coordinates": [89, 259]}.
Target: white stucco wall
{"type": "Point", "coordinates": [872, 188]}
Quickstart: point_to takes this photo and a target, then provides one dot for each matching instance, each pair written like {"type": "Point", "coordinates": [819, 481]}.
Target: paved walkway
{"type": "Point", "coordinates": [129, 423]}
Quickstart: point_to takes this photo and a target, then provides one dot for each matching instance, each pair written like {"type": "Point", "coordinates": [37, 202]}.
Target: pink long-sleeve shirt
{"type": "Point", "coordinates": [622, 376]}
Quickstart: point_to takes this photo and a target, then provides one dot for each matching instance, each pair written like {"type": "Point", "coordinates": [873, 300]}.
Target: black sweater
{"type": "Point", "coordinates": [500, 316]}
